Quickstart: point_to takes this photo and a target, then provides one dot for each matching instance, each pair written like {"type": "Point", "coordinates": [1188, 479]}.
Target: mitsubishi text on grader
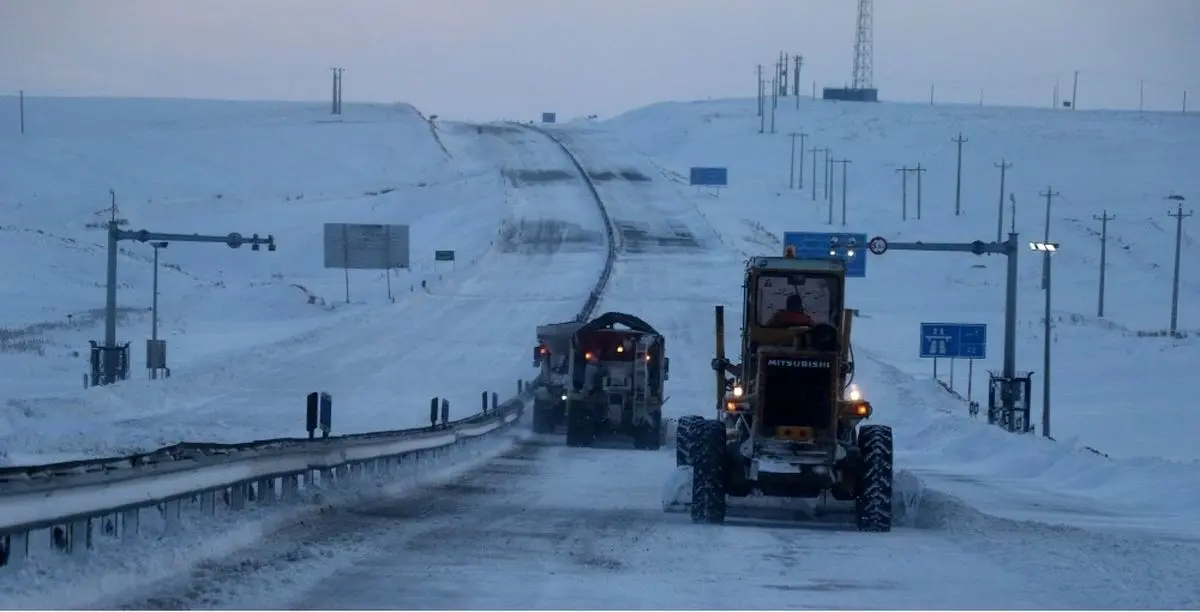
{"type": "Point", "coordinates": [788, 416]}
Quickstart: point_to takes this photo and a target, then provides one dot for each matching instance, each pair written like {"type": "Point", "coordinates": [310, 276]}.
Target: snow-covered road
{"type": "Point", "coordinates": [549, 527]}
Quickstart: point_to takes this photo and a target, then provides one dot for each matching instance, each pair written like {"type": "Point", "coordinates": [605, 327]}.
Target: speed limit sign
{"type": "Point", "coordinates": [878, 245]}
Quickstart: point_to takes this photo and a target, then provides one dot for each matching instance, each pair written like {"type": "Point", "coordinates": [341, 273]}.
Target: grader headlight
{"type": "Point", "coordinates": [855, 394]}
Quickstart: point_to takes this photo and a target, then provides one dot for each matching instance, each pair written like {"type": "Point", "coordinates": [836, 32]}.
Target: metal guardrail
{"type": "Point", "coordinates": [78, 501]}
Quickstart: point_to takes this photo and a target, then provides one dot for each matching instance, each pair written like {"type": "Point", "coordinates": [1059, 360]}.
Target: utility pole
{"type": "Point", "coordinates": [800, 169]}
{"type": "Point", "coordinates": [760, 92]}
{"type": "Point", "coordinates": [958, 180]}
{"type": "Point", "coordinates": [844, 163]}
{"type": "Point", "coordinates": [1141, 95]}
{"type": "Point", "coordinates": [334, 105]}
{"type": "Point", "coordinates": [22, 105]}
{"type": "Point", "coordinates": [904, 170]}
{"type": "Point", "coordinates": [919, 170]}
{"type": "Point", "coordinates": [1074, 90]}
{"type": "Point", "coordinates": [826, 178]}
{"type": "Point", "coordinates": [782, 70]}
{"type": "Point", "coordinates": [1047, 249]}
{"type": "Point", "coordinates": [814, 152]}
{"type": "Point", "coordinates": [341, 79]}
{"type": "Point", "coordinates": [1179, 216]}
{"type": "Point", "coordinates": [931, 90]}
{"type": "Point", "coordinates": [829, 177]}
{"type": "Point", "coordinates": [1103, 219]}
{"type": "Point", "coordinates": [1003, 166]}
{"type": "Point", "coordinates": [1049, 194]}
{"type": "Point", "coordinates": [792, 162]}
{"type": "Point", "coordinates": [774, 101]}
{"type": "Point", "coordinates": [762, 102]}
{"type": "Point", "coordinates": [798, 60]}
{"type": "Point", "coordinates": [1012, 213]}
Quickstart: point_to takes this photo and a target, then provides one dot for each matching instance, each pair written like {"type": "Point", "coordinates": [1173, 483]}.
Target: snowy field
{"type": "Point", "coordinates": [990, 520]}
{"type": "Point", "coordinates": [250, 333]}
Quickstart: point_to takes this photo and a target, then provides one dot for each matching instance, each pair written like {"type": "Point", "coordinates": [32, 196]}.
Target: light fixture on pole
{"type": "Point", "coordinates": [1046, 249]}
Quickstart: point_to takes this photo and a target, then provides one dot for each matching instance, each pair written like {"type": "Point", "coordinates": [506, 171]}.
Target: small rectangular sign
{"type": "Point", "coordinates": [549, 117]}
{"type": "Point", "coordinates": [443, 255]}
{"type": "Point", "coordinates": [708, 177]}
{"type": "Point", "coordinates": [954, 340]}
{"type": "Point", "coordinates": [850, 248]}
{"type": "Point", "coordinates": [359, 246]}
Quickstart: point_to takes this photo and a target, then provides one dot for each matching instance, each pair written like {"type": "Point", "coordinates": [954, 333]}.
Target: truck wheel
{"type": "Point", "coordinates": [873, 499]}
{"type": "Point", "coordinates": [543, 417]}
{"type": "Point", "coordinates": [648, 436]}
{"type": "Point", "coordinates": [581, 430]}
{"type": "Point", "coordinates": [684, 436]}
{"type": "Point", "coordinates": [708, 472]}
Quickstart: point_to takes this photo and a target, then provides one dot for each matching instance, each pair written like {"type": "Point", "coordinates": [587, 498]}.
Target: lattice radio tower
{"type": "Point", "coordinates": [863, 52]}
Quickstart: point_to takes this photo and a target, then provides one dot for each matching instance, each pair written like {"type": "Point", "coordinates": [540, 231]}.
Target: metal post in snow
{"type": "Point", "coordinates": [346, 259]}
{"type": "Point", "coordinates": [800, 172]}
{"type": "Point", "coordinates": [958, 177]}
{"type": "Point", "coordinates": [792, 162]}
{"type": "Point", "coordinates": [814, 152]}
{"type": "Point", "coordinates": [1179, 216]}
{"type": "Point", "coordinates": [1049, 194]}
{"type": "Point", "coordinates": [919, 170]}
{"type": "Point", "coordinates": [844, 163]}
{"type": "Point", "coordinates": [1103, 219]}
{"type": "Point", "coordinates": [1003, 166]}
{"type": "Point", "coordinates": [903, 170]}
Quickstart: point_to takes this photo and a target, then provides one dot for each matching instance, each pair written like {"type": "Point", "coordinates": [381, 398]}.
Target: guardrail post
{"type": "Point", "coordinates": [172, 511]}
{"type": "Point", "coordinates": [237, 496]}
{"type": "Point", "coordinates": [208, 503]}
{"type": "Point", "coordinates": [291, 487]}
{"type": "Point", "coordinates": [16, 549]}
{"type": "Point", "coordinates": [266, 490]}
{"type": "Point", "coordinates": [79, 536]}
{"type": "Point", "coordinates": [485, 402]}
{"type": "Point", "coordinates": [520, 386]}
{"type": "Point", "coordinates": [129, 524]}
{"type": "Point", "coordinates": [495, 400]}
{"type": "Point", "coordinates": [445, 412]}
{"type": "Point", "coordinates": [433, 413]}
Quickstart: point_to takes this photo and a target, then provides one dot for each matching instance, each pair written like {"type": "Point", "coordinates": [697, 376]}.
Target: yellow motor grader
{"type": "Point", "coordinates": [788, 418]}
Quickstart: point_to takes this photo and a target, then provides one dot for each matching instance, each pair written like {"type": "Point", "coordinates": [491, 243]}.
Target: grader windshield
{"type": "Point", "coordinates": [790, 298]}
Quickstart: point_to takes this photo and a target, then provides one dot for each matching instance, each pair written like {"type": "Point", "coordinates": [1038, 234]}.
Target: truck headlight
{"type": "Point", "coordinates": [738, 391]}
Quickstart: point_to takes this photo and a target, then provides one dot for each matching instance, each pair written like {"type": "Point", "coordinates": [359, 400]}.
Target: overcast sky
{"type": "Point", "coordinates": [485, 59]}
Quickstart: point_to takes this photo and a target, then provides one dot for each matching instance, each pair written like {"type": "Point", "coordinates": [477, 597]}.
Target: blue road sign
{"type": "Point", "coordinates": [850, 248]}
{"type": "Point", "coordinates": [549, 117]}
{"type": "Point", "coordinates": [953, 340]}
{"type": "Point", "coordinates": [709, 177]}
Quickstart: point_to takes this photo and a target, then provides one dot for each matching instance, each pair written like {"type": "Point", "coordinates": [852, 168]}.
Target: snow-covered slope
{"type": "Point", "coordinates": [1107, 376]}
{"type": "Point", "coordinates": [250, 333]}
{"type": "Point", "coordinates": [1113, 390]}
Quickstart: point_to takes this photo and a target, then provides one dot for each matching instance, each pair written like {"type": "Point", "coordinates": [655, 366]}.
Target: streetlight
{"type": "Point", "coordinates": [154, 303]}
{"type": "Point", "coordinates": [1047, 249]}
